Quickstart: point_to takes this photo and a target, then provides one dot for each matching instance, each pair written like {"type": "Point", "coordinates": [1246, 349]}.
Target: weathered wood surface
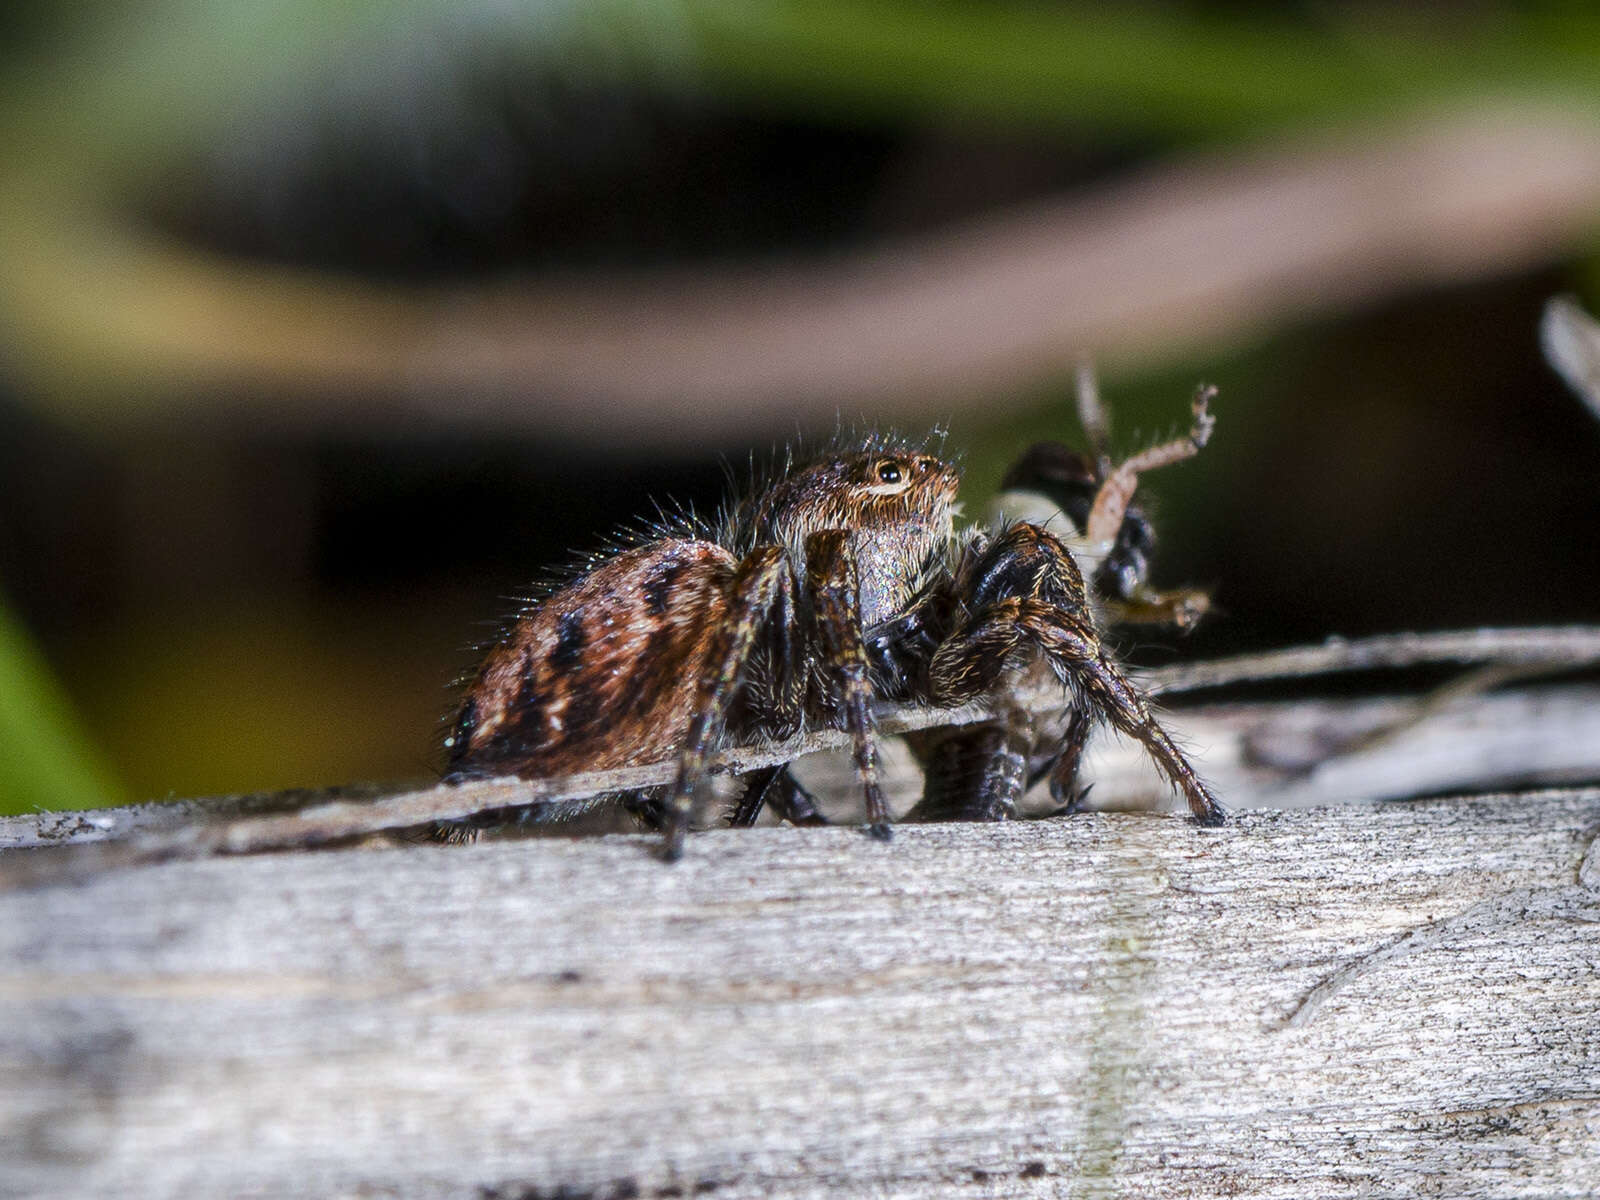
{"type": "Point", "coordinates": [1371, 1000]}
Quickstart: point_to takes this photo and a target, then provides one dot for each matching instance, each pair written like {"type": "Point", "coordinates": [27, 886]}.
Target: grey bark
{"type": "Point", "coordinates": [1370, 1000]}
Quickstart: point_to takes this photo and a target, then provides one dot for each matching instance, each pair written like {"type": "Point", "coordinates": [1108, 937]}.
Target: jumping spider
{"type": "Point", "coordinates": [837, 582]}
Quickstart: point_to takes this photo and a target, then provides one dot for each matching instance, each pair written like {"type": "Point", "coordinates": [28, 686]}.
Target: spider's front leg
{"type": "Point", "coordinates": [778, 677]}
{"type": "Point", "coordinates": [833, 586]}
{"type": "Point", "coordinates": [1027, 597]}
{"type": "Point", "coordinates": [981, 772]}
{"type": "Point", "coordinates": [757, 583]}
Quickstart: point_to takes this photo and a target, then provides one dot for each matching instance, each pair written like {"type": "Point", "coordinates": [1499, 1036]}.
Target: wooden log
{"type": "Point", "coordinates": [1368, 1000]}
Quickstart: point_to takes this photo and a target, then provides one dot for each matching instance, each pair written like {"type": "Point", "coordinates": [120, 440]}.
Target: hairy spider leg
{"type": "Point", "coordinates": [982, 773]}
{"type": "Point", "coordinates": [777, 671]}
{"type": "Point", "coordinates": [976, 773]}
{"type": "Point", "coordinates": [969, 664]}
{"type": "Point", "coordinates": [777, 666]}
{"type": "Point", "coordinates": [831, 581]}
{"type": "Point", "coordinates": [778, 787]}
{"type": "Point", "coordinates": [1063, 766]}
{"type": "Point", "coordinates": [1105, 518]}
{"type": "Point", "coordinates": [755, 584]}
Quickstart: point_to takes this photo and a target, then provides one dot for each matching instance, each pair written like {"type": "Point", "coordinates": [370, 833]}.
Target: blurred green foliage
{"type": "Point", "coordinates": [151, 78]}
{"type": "Point", "coordinates": [48, 762]}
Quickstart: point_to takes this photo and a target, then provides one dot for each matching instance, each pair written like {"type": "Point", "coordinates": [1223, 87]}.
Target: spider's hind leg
{"type": "Point", "coordinates": [756, 586]}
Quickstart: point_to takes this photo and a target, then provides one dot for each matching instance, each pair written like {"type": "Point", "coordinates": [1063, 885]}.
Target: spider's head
{"type": "Point", "coordinates": [895, 488]}
{"type": "Point", "coordinates": [898, 503]}
{"type": "Point", "coordinates": [880, 491]}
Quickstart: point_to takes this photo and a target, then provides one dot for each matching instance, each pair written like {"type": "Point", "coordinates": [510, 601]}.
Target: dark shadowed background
{"type": "Point", "coordinates": [322, 333]}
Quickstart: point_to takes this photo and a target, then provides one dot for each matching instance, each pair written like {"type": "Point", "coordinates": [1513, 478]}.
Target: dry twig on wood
{"type": "Point", "coordinates": [1260, 755]}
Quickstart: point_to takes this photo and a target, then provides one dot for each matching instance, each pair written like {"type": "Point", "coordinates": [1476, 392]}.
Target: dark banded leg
{"type": "Point", "coordinates": [1063, 768]}
{"type": "Point", "coordinates": [755, 585]}
{"type": "Point", "coordinates": [970, 663]}
{"type": "Point", "coordinates": [975, 773]}
{"type": "Point", "coordinates": [777, 787]}
{"type": "Point", "coordinates": [832, 583]}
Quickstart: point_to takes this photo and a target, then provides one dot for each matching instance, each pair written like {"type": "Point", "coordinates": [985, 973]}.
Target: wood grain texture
{"type": "Point", "coordinates": [1369, 1000]}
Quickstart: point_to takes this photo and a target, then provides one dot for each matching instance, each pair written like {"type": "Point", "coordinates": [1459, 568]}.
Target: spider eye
{"type": "Point", "coordinates": [889, 472]}
{"type": "Point", "coordinates": [924, 465]}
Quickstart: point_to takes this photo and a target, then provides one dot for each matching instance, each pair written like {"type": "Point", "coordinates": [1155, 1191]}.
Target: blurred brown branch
{"type": "Point", "coordinates": [117, 325]}
{"type": "Point", "coordinates": [1571, 339]}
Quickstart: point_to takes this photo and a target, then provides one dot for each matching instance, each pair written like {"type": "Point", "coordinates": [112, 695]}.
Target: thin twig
{"type": "Point", "coordinates": [342, 819]}
{"type": "Point", "coordinates": [1555, 647]}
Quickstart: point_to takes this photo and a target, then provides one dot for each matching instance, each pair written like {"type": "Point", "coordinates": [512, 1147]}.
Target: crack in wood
{"type": "Point", "coordinates": [1529, 904]}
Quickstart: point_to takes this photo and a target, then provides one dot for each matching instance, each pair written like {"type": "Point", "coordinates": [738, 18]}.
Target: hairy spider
{"type": "Point", "coordinates": [980, 772]}
{"type": "Point", "coordinates": [837, 581]}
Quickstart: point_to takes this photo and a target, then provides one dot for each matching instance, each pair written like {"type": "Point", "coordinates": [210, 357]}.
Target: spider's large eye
{"type": "Point", "coordinates": [889, 472]}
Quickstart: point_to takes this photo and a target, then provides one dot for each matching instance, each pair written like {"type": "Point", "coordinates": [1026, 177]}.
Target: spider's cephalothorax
{"type": "Point", "coordinates": [835, 582]}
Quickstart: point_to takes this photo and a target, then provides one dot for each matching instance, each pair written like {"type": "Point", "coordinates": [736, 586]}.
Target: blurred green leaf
{"type": "Point", "coordinates": [48, 763]}
{"type": "Point", "coordinates": [165, 75]}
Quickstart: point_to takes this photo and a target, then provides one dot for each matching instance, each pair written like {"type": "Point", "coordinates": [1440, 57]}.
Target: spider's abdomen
{"type": "Point", "coordinates": [601, 674]}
